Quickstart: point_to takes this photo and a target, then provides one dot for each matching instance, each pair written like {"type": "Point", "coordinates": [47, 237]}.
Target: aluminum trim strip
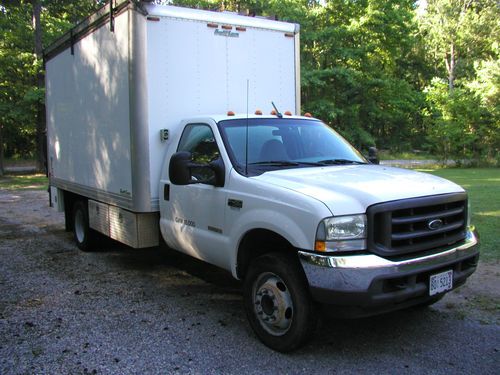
{"type": "Point", "coordinates": [219, 17]}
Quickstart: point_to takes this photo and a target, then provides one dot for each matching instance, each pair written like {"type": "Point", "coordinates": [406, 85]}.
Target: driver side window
{"type": "Point", "coordinates": [199, 140]}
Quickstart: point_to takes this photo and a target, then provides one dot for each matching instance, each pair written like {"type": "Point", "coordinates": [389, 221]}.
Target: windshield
{"type": "Point", "coordinates": [284, 143]}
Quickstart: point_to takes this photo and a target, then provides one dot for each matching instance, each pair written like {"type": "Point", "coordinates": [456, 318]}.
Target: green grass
{"type": "Point", "coordinates": [483, 187]}
{"type": "Point", "coordinates": [389, 155]}
{"type": "Point", "coordinates": [19, 162]}
{"type": "Point", "coordinates": [24, 182]}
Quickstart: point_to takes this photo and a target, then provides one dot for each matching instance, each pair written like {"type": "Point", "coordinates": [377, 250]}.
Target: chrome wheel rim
{"type": "Point", "coordinates": [273, 304]}
{"type": "Point", "coordinates": [79, 226]}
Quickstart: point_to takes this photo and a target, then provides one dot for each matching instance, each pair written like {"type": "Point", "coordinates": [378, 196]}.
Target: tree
{"type": "Point", "coordinates": [462, 43]}
{"type": "Point", "coordinates": [355, 65]}
{"type": "Point", "coordinates": [26, 26]}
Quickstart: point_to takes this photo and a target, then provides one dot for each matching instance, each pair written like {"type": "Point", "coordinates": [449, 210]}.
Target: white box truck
{"type": "Point", "coordinates": [156, 132]}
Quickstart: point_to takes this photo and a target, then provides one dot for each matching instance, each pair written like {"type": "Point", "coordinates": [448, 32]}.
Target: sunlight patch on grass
{"type": "Point", "coordinates": [24, 182]}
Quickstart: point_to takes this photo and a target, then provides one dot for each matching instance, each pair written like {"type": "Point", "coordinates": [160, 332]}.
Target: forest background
{"type": "Point", "coordinates": [402, 75]}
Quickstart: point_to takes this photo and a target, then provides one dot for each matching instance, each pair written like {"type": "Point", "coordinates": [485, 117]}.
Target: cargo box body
{"type": "Point", "coordinates": [119, 84]}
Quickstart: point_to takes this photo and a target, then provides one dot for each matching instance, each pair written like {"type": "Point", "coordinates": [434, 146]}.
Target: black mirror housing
{"type": "Point", "coordinates": [219, 170]}
{"type": "Point", "coordinates": [178, 169]}
{"type": "Point", "coordinates": [373, 155]}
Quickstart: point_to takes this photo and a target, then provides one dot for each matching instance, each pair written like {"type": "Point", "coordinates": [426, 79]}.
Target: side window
{"type": "Point", "coordinates": [199, 140]}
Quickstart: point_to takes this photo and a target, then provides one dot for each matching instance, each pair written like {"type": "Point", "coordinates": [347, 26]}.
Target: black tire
{"type": "Point", "coordinates": [277, 302]}
{"type": "Point", "coordinates": [83, 235]}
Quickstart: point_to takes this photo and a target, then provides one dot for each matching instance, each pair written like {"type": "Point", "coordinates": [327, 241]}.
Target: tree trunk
{"type": "Point", "coordinates": [1, 152]}
{"type": "Point", "coordinates": [40, 82]}
{"type": "Point", "coordinates": [450, 67]}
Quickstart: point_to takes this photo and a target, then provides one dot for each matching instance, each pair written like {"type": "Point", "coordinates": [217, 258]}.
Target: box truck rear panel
{"type": "Point", "coordinates": [88, 115]}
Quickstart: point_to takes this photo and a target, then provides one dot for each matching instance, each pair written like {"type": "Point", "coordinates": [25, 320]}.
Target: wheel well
{"type": "Point", "coordinates": [258, 242]}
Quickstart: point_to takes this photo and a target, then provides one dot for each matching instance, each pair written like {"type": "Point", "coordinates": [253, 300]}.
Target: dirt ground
{"type": "Point", "coordinates": [126, 311]}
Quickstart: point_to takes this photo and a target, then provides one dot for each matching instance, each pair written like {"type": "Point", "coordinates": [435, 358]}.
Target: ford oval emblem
{"type": "Point", "coordinates": [435, 224]}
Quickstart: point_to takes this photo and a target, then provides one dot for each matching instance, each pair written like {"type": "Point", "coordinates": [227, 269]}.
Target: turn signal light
{"type": "Point", "coordinates": [320, 246]}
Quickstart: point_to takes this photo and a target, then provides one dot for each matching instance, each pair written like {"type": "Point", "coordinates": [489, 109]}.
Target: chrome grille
{"type": "Point", "coordinates": [417, 225]}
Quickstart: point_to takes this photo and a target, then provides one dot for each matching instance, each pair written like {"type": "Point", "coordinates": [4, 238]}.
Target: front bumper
{"type": "Point", "coordinates": [369, 284]}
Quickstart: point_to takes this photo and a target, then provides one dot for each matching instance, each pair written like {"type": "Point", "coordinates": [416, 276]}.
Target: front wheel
{"type": "Point", "coordinates": [277, 302]}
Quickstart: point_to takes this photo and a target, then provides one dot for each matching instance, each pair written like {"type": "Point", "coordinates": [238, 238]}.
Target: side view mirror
{"type": "Point", "coordinates": [373, 155]}
{"type": "Point", "coordinates": [181, 165]}
{"type": "Point", "coordinates": [178, 169]}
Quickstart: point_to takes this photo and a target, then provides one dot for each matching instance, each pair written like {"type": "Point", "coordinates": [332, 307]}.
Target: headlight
{"type": "Point", "coordinates": [341, 233]}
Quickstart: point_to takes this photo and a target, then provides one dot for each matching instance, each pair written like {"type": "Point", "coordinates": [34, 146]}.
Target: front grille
{"type": "Point", "coordinates": [417, 224]}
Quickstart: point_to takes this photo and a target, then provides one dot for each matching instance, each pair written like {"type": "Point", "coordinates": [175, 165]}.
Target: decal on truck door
{"type": "Point", "coordinates": [189, 223]}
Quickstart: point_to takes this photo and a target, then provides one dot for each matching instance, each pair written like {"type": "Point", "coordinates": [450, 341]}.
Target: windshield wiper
{"type": "Point", "coordinates": [283, 163]}
{"type": "Point", "coordinates": [340, 162]}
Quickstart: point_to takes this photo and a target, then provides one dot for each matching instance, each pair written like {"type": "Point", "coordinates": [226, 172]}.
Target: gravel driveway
{"type": "Point", "coordinates": [124, 311]}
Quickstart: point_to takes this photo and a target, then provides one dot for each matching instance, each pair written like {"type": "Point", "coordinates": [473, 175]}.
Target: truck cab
{"type": "Point", "coordinates": [287, 205]}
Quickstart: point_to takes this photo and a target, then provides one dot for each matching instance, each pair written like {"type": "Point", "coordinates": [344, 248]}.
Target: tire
{"type": "Point", "coordinates": [277, 302]}
{"type": "Point", "coordinates": [83, 235]}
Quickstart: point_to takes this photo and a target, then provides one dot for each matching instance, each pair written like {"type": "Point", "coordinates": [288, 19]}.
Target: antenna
{"type": "Point", "coordinates": [278, 113]}
{"type": "Point", "coordinates": [246, 138]}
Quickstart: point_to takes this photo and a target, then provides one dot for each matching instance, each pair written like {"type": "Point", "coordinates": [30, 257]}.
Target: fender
{"type": "Point", "coordinates": [290, 214]}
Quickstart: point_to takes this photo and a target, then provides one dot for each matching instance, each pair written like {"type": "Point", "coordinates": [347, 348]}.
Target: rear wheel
{"type": "Point", "coordinates": [83, 235]}
{"type": "Point", "coordinates": [277, 302]}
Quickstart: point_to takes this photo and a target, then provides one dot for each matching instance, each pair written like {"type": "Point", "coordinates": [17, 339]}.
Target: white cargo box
{"type": "Point", "coordinates": [118, 79]}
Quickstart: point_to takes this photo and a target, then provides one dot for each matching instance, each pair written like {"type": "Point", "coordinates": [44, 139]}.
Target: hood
{"type": "Point", "coordinates": [351, 189]}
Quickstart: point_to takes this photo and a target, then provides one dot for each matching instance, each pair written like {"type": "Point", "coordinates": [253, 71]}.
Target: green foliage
{"type": "Point", "coordinates": [462, 116]}
{"type": "Point", "coordinates": [354, 56]}
{"type": "Point", "coordinates": [19, 65]}
{"type": "Point", "coordinates": [391, 73]}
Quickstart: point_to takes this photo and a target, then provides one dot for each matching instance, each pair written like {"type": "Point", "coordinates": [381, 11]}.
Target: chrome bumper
{"type": "Point", "coordinates": [362, 279]}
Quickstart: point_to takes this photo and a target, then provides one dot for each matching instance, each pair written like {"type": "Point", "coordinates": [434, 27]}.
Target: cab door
{"type": "Point", "coordinates": [193, 216]}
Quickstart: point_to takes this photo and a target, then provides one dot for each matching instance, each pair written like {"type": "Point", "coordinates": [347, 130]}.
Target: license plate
{"type": "Point", "coordinates": [440, 282]}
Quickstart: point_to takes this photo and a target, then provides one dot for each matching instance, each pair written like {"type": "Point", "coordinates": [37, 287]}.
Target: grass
{"type": "Point", "coordinates": [389, 155]}
{"type": "Point", "coordinates": [483, 187]}
{"type": "Point", "coordinates": [24, 182]}
{"type": "Point", "coordinates": [19, 162]}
